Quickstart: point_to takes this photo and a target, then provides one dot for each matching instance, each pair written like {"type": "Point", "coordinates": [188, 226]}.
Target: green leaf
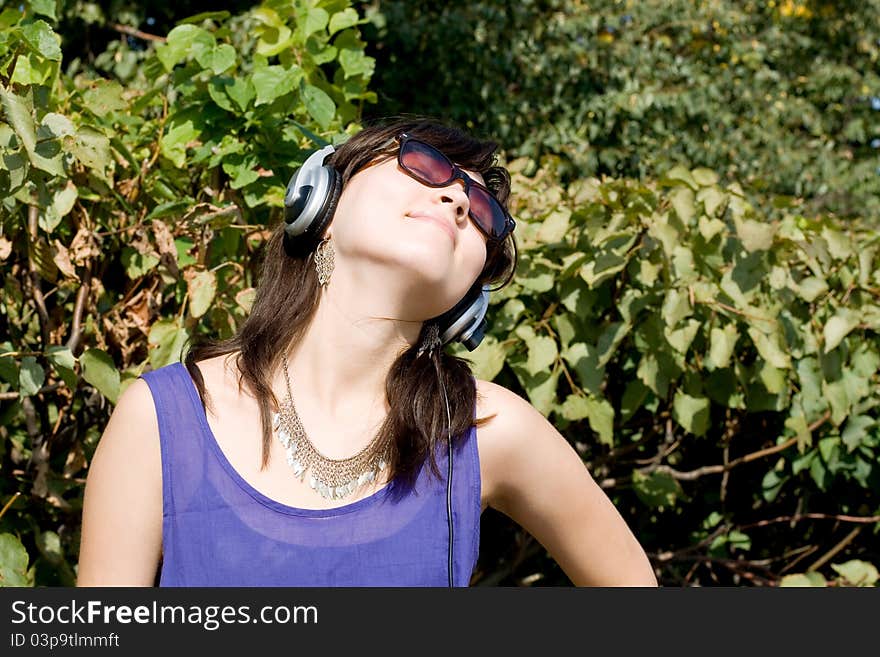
{"type": "Point", "coordinates": [169, 209]}
{"type": "Point", "coordinates": [342, 20]}
{"type": "Point", "coordinates": [803, 579]}
{"type": "Point", "coordinates": [62, 203]}
{"type": "Point", "coordinates": [856, 430]}
{"type": "Point", "coordinates": [798, 425]}
{"type": "Point", "coordinates": [602, 268]}
{"type": "Point", "coordinates": [220, 59]}
{"type": "Point", "coordinates": [241, 170]}
{"type": "Point", "coordinates": [770, 349]}
{"type": "Point", "coordinates": [31, 377]}
{"type": "Point", "coordinates": [575, 407]}
{"type": "Point", "coordinates": [542, 352]}
{"type": "Point", "coordinates": [705, 177]}
{"type": "Point", "coordinates": [653, 375]}
{"type": "Point", "coordinates": [168, 339]}
{"type": "Point", "coordinates": [537, 277]}
{"type": "Point", "coordinates": [271, 82]}
{"type": "Point", "coordinates": [104, 97]}
{"type": "Point", "coordinates": [186, 40]}
{"type": "Point", "coordinates": [19, 113]}
{"type": "Point", "coordinates": [93, 149]}
{"type": "Point", "coordinates": [584, 359]}
{"type": "Point", "coordinates": [49, 545]}
{"type": "Point", "coordinates": [31, 69]}
{"type": "Point", "coordinates": [722, 342]}
{"type": "Point", "coordinates": [680, 339]}
{"type": "Point", "coordinates": [679, 174]}
{"type": "Point", "coordinates": [316, 20]}
{"type": "Point", "coordinates": [242, 92]}
{"type": "Point", "coordinates": [42, 39]}
{"type": "Point", "coordinates": [202, 288]}
{"type": "Point", "coordinates": [857, 573]}
{"type": "Point", "coordinates": [99, 370]}
{"type": "Point", "coordinates": [136, 263]}
{"type": "Point", "coordinates": [709, 228]}
{"type": "Point", "coordinates": [633, 398]}
{"type": "Point", "coordinates": [773, 379]}
{"type": "Point", "coordinates": [488, 358]}
{"type": "Point", "coordinates": [676, 306]}
{"type": "Point", "coordinates": [555, 226]}
{"type": "Point", "coordinates": [14, 562]}
{"type": "Point", "coordinates": [692, 413]}
{"type": "Point", "coordinates": [64, 362]}
{"type": "Point", "coordinates": [723, 387]}
{"type": "Point", "coordinates": [771, 485]}
{"type": "Point", "coordinates": [563, 323]}
{"type": "Point", "coordinates": [318, 104]}
{"type": "Point", "coordinates": [810, 288]}
{"type": "Point", "coordinates": [829, 447]}
{"type": "Point", "coordinates": [268, 17]}
{"type": "Point", "coordinates": [683, 201]}
{"type": "Point", "coordinates": [666, 234]}
{"type": "Point", "coordinates": [542, 392]}
{"type": "Point", "coordinates": [754, 235]}
{"type": "Point", "coordinates": [839, 246]}
{"type": "Point", "coordinates": [838, 327]}
{"type": "Point", "coordinates": [43, 7]}
{"type": "Point", "coordinates": [173, 143]}
{"type": "Point", "coordinates": [738, 540]}
{"type": "Point", "coordinates": [355, 62]}
{"type": "Point", "coordinates": [601, 417]}
{"type": "Point", "coordinates": [274, 40]}
{"type": "Point", "coordinates": [55, 125]}
{"type": "Point", "coordinates": [819, 474]}
{"type": "Point", "coordinates": [657, 489]}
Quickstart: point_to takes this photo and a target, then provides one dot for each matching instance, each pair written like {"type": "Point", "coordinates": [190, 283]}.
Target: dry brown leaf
{"type": "Point", "coordinates": [61, 256]}
{"type": "Point", "coordinates": [85, 246]}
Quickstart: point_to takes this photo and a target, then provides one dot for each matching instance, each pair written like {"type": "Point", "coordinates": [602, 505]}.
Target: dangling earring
{"type": "Point", "coordinates": [324, 261]}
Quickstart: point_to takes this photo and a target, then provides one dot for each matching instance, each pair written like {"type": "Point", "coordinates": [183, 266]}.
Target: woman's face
{"type": "Point", "coordinates": [424, 233]}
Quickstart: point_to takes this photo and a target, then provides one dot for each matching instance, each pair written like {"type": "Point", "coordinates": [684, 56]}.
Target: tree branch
{"type": "Point", "coordinates": [36, 289]}
{"type": "Point", "coordinates": [131, 31]}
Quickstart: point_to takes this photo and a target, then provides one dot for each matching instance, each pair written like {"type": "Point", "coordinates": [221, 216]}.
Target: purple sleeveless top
{"type": "Point", "coordinates": [218, 530]}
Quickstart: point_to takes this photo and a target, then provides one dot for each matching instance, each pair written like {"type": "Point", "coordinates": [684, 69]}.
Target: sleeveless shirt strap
{"type": "Point", "coordinates": [172, 390]}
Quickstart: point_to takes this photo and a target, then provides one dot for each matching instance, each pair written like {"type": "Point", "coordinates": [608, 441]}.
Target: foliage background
{"type": "Point", "coordinates": [696, 197]}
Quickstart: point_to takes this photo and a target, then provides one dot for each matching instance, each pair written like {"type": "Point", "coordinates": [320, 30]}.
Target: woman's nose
{"type": "Point", "coordinates": [454, 193]}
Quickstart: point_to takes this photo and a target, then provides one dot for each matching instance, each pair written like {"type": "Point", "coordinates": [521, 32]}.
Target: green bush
{"type": "Point", "coordinates": [717, 371]}
{"type": "Point", "coordinates": [713, 361]}
{"type": "Point", "coordinates": [131, 212]}
{"type": "Point", "coordinates": [782, 97]}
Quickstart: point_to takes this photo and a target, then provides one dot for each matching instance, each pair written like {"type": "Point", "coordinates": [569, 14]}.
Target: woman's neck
{"type": "Point", "coordinates": [342, 361]}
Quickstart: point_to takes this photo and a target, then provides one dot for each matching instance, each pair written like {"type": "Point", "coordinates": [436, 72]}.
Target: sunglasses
{"type": "Point", "coordinates": [432, 168]}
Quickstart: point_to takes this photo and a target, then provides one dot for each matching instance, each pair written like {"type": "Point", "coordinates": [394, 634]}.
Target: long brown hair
{"type": "Point", "coordinates": [288, 292]}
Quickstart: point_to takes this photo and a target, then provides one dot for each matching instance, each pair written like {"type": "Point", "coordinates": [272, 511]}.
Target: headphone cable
{"type": "Point", "coordinates": [449, 565]}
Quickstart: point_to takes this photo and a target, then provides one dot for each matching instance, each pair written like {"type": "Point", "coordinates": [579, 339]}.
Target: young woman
{"type": "Point", "coordinates": [332, 441]}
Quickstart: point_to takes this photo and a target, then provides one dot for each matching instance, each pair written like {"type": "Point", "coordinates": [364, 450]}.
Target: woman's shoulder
{"type": "Point", "coordinates": [508, 417]}
{"type": "Point", "coordinates": [504, 410]}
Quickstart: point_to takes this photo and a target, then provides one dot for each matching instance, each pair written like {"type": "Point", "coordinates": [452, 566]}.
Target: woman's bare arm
{"type": "Point", "coordinates": [538, 480]}
{"type": "Point", "coordinates": [122, 509]}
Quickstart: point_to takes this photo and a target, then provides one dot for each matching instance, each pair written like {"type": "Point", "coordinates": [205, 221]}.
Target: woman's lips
{"type": "Point", "coordinates": [436, 220]}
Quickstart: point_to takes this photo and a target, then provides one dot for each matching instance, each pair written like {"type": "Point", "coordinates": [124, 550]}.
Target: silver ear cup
{"type": "Point", "coordinates": [308, 192]}
{"type": "Point", "coordinates": [466, 321]}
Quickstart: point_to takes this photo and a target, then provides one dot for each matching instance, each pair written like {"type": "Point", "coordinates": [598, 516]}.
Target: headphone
{"type": "Point", "coordinates": [309, 204]}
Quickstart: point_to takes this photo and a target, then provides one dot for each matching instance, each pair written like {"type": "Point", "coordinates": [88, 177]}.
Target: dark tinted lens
{"type": "Point", "coordinates": [426, 162]}
{"type": "Point", "coordinates": [486, 211]}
